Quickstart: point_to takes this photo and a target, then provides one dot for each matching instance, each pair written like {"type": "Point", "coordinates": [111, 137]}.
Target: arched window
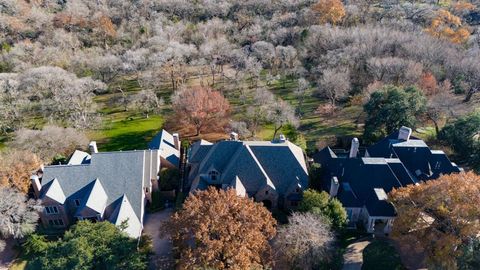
{"type": "Point", "coordinates": [213, 175]}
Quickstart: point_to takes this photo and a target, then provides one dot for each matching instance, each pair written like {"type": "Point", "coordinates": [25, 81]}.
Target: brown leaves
{"type": "Point", "coordinates": [448, 26]}
{"type": "Point", "coordinates": [330, 11]}
{"type": "Point", "coordinates": [438, 215]}
{"type": "Point", "coordinates": [218, 229]}
{"type": "Point", "coordinates": [200, 107]}
{"type": "Point", "coordinates": [16, 167]}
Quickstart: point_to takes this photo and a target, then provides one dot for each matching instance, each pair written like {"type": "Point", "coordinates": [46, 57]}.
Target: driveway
{"type": "Point", "coordinates": [162, 247]}
{"type": "Point", "coordinates": [353, 256]}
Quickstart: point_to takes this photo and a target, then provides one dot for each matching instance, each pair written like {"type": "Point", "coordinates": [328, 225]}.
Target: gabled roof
{"type": "Point", "coordinates": [256, 163]}
{"type": "Point", "coordinates": [165, 143]}
{"type": "Point", "coordinates": [79, 157]}
{"type": "Point", "coordinates": [119, 172]}
{"type": "Point", "coordinates": [124, 213]}
{"type": "Point", "coordinates": [53, 191]}
{"type": "Point", "coordinates": [95, 198]}
{"type": "Point", "coordinates": [416, 156]}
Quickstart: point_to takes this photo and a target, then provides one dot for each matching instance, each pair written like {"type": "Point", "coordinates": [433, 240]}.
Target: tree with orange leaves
{"type": "Point", "coordinates": [428, 84]}
{"type": "Point", "coordinates": [216, 229]}
{"type": "Point", "coordinates": [16, 167]}
{"type": "Point", "coordinates": [329, 11]}
{"type": "Point", "coordinates": [200, 107]}
{"type": "Point", "coordinates": [448, 26]}
{"type": "Point", "coordinates": [438, 216]}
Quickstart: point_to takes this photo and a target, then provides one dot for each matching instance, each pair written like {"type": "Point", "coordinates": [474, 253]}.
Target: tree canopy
{"type": "Point", "coordinates": [321, 204]}
{"type": "Point", "coordinates": [87, 245]}
{"type": "Point", "coordinates": [439, 216]}
{"type": "Point", "coordinates": [218, 229]}
{"type": "Point", "coordinates": [390, 108]}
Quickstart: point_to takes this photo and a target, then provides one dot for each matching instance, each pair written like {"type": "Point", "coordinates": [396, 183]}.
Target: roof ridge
{"type": "Point", "coordinates": [269, 181]}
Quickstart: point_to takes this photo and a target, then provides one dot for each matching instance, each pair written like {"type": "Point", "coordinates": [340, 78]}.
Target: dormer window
{"type": "Point", "coordinates": [213, 175]}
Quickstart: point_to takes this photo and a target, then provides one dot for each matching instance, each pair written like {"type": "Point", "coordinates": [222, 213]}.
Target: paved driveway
{"type": "Point", "coordinates": [162, 247]}
{"type": "Point", "coordinates": [353, 257]}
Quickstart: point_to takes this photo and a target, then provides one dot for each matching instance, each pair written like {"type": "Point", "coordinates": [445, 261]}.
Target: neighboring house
{"type": "Point", "coordinates": [169, 148]}
{"type": "Point", "coordinates": [112, 186]}
{"type": "Point", "coordinates": [362, 183]}
{"type": "Point", "coordinates": [274, 173]}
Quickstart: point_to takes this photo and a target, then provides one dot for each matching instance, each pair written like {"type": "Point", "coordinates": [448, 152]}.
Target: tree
{"type": "Point", "coordinates": [200, 107]}
{"type": "Point", "coordinates": [12, 103]}
{"type": "Point", "coordinates": [334, 84]}
{"type": "Point", "coordinates": [306, 242]}
{"type": "Point", "coordinates": [87, 245]}
{"type": "Point", "coordinates": [390, 108]}
{"type": "Point", "coordinates": [300, 93]}
{"type": "Point", "coordinates": [463, 136]}
{"type": "Point", "coordinates": [281, 113]}
{"type": "Point", "coordinates": [147, 102]}
{"type": "Point", "coordinates": [16, 167]}
{"type": "Point", "coordinates": [448, 26]}
{"type": "Point", "coordinates": [321, 204]}
{"type": "Point", "coordinates": [438, 216]}
{"type": "Point", "coordinates": [49, 142]}
{"type": "Point", "coordinates": [220, 230]}
{"type": "Point", "coordinates": [169, 179]}
{"type": "Point", "coordinates": [18, 214]}
{"type": "Point", "coordinates": [329, 11]}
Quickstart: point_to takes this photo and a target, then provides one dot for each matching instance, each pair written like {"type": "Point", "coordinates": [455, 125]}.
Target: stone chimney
{"type": "Point", "coordinates": [404, 133]}
{"type": "Point", "coordinates": [282, 138]}
{"type": "Point", "coordinates": [354, 148]}
{"type": "Point", "coordinates": [36, 185]}
{"type": "Point", "coordinates": [233, 136]}
{"type": "Point", "coordinates": [176, 140]}
{"type": "Point", "coordinates": [93, 147]}
{"type": "Point", "coordinates": [334, 185]}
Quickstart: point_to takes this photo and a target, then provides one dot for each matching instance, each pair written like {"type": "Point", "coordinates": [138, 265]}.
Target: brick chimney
{"type": "Point", "coordinates": [233, 136]}
{"type": "Point", "coordinates": [92, 147]}
{"type": "Point", "coordinates": [37, 186]}
{"type": "Point", "coordinates": [404, 133]}
{"type": "Point", "coordinates": [176, 140]}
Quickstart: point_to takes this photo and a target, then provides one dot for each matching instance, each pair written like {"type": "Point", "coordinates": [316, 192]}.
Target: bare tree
{"type": "Point", "coordinates": [281, 113]}
{"type": "Point", "coordinates": [18, 214]}
{"type": "Point", "coordinates": [147, 102]}
{"type": "Point", "coordinates": [305, 242]}
{"type": "Point", "coordinates": [50, 141]}
{"type": "Point", "coordinates": [300, 93]}
{"type": "Point", "coordinates": [334, 84]}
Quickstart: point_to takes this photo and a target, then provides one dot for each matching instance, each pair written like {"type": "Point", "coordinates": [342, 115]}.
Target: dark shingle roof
{"type": "Point", "coordinates": [119, 172]}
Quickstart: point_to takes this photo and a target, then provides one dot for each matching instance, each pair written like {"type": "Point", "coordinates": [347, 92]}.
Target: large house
{"type": "Point", "coordinates": [98, 186]}
{"type": "Point", "coordinates": [362, 183]}
{"type": "Point", "coordinates": [272, 172]}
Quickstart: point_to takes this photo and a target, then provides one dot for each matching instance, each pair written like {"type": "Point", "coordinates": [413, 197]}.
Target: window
{"type": "Point", "coordinates": [213, 175]}
{"type": "Point", "coordinates": [146, 190]}
{"type": "Point", "coordinates": [56, 222]}
{"type": "Point", "coordinates": [266, 192]}
{"type": "Point", "coordinates": [51, 210]}
{"type": "Point", "coordinates": [77, 202]}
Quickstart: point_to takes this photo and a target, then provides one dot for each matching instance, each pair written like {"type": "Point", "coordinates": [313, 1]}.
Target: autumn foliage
{"type": "Point", "coordinates": [217, 229]}
{"type": "Point", "coordinates": [329, 11]}
{"type": "Point", "coordinates": [438, 216]}
{"type": "Point", "coordinates": [16, 167]}
{"type": "Point", "coordinates": [200, 107]}
{"type": "Point", "coordinates": [448, 26]}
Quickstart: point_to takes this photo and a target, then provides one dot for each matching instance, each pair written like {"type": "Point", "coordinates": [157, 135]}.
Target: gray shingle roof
{"type": "Point", "coordinates": [119, 173]}
{"type": "Point", "coordinates": [54, 191]}
{"type": "Point", "coordinates": [165, 143]}
{"type": "Point", "coordinates": [79, 157]}
{"type": "Point", "coordinates": [95, 198]}
{"type": "Point", "coordinates": [124, 212]}
{"type": "Point", "coordinates": [255, 163]}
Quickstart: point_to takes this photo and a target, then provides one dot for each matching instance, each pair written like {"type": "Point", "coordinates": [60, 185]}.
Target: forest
{"type": "Point", "coordinates": [118, 71]}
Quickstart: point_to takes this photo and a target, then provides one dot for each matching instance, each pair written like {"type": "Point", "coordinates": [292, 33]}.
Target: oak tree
{"type": "Point", "coordinates": [438, 216]}
{"type": "Point", "coordinates": [218, 229]}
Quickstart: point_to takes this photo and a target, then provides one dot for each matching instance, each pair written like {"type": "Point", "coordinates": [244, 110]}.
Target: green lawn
{"type": "Point", "coordinates": [123, 132]}
{"type": "Point", "coordinates": [381, 255]}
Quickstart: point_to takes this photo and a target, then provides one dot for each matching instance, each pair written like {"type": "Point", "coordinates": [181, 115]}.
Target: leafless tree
{"type": "Point", "coordinates": [18, 214]}
{"type": "Point", "coordinates": [305, 242]}
{"type": "Point", "coordinates": [50, 141]}
{"type": "Point", "coordinates": [147, 102]}
{"type": "Point", "coordinates": [334, 84]}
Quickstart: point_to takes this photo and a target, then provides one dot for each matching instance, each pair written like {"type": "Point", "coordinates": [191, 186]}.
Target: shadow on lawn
{"type": "Point", "coordinates": [128, 141]}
